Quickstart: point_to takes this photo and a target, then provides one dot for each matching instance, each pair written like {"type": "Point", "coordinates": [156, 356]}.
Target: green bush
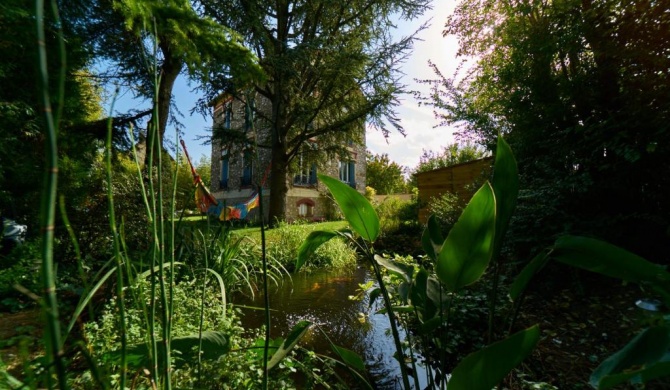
{"type": "Point", "coordinates": [239, 369]}
{"type": "Point", "coordinates": [19, 267]}
{"type": "Point", "coordinates": [394, 213]}
{"type": "Point", "coordinates": [287, 238]}
{"type": "Point", "coordinates": [446, 210]}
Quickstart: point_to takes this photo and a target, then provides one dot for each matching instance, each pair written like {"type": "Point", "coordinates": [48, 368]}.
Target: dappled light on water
{"type": "Point", "coordinates": [323, 298]}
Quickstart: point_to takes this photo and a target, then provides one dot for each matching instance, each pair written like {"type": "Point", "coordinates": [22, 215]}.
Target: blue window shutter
{"type": "Point", "coordinates": [227, 115]}
{"type": "Point", "coordinates": [224, 173]}
{"type": "Point", "coordinates": [312, 174]}
{"type": "Point", "coordinates": [352, 173]}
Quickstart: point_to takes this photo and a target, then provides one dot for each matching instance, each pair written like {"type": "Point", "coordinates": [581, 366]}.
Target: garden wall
{"type": "Point", "coordinates": [460, 179]}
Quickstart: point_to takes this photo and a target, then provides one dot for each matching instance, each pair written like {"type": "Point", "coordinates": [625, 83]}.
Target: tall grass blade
{"type": "Point", "coordinates": [222, 286]}
{"type": "Point", "coordinates": [116, 240]}
{"type": "Point", "coordinates": [85, 300]}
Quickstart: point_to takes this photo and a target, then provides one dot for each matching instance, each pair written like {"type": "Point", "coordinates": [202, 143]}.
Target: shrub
{"type": "Point", "coordinates": [370, 193]}
{"type": "Point", "coordinates": [287, 238]}
{"type": "Point", "coordinates": [394, 213]}
{"type": "Point", "coordinates": [21, 266]}
{"type": "Point", "coordinates": [446, 210]}
{"type": "Point", "coordinates": [239, 369]}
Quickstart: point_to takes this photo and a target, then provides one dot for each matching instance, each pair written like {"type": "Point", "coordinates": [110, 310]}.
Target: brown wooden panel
{"type": "Point", "coordinates": [455, 179]}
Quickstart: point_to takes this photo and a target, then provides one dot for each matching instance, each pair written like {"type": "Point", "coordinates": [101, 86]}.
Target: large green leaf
{"type": "Point", "coordinates": [505, 184]}
{"type": "Point", "coordinates": [527, 273]}
{"type": "Point", "coordinates": [298, 331]}
{"type": "Point", "coordinates": [604, 258]}
{"type": "Point", "coordinates": [356, 209]}
{"type": "Point", "coordinates": [637, 360]}
{"type": "Point", "coordinates": [310, 245]}
{"type": "Point", "coordinates": [468, 248]}
{"type": "Point", "coordinates": [484, 369]}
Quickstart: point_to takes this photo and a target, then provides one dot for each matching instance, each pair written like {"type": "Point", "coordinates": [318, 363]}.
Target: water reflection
{"type": "Point", "coordinates": [323, 298]}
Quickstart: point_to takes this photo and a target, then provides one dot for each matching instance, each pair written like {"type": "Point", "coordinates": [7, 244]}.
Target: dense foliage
{"type": "Point", "coordinates": [75, 96]}
{"type": "Point", "coordinates": [452, 154]}
{"type": "Point", "coordinates": [148, 44]}
{"type": "Point", "coordinates": [581, 88]}
{"type": "Point", "coordinates": [385, 176]}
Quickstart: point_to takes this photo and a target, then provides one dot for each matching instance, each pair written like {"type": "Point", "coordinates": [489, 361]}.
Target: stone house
{"type": "Point", "coordinates": [236, 170]}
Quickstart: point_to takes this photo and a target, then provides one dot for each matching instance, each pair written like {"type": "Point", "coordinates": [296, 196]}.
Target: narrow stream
{"type": "Point", "coordinates": [322, 297]}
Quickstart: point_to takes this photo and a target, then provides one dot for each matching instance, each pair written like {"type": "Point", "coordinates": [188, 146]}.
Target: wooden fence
{"type": "Point", "coordinates": [460, 179]}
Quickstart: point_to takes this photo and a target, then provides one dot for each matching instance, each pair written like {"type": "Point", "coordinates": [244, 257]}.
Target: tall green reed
{"type": "Point", "coordinates": [48, 207]}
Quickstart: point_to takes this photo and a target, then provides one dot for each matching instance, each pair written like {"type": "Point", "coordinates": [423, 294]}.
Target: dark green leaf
{"type": "Point", "coordinates": [640, 354]}
{"type": "Point", "coordinates": [505, 184]}
{"type": "Point", "coordinates": [397, 309]}
{"type": "Point", "coordinates": [528, 272]}
{"type": "Point", "coordinates": [429, 326]}
{"type": "Point", "coordinates": [484, 369]}
{"type": "Point", "coordinates": [374, 294]}
{"type": "Point", "coordinates": [403, 292]}
{"type": "Point", "coordinates": [432, 239]}
{"type": "Point", "coordinates": [356, 209]}
{"type": "Point", "coordinates": [350, 358]}
{"type": "Point", "coordinates": [604, 258]}
{"type": "Point", "coordinates": [419, 296]}
{"type": "Point", "coordinates": [405, 271]}
{"type": "Point", "coordinates": [184, 348]}
{"type": "Point", "coordinates": [298, 331]}
{"type": "Point", "coordinates": [468, 248]}
{"type": "Point", "coordinates": [314, 240]}
{"type": "Point", "coordinates": [641, 375]}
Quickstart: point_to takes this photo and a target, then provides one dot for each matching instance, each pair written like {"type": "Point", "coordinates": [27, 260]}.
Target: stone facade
{"type": "Point", "coordinates": [232, 174]}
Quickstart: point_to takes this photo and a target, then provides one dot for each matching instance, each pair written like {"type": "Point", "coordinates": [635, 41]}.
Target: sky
{"type": "Point", "coordinates": [418, 121]}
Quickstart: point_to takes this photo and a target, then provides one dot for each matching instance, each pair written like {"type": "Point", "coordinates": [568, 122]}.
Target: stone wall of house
{"type": "Point", "coordinates": [361, 167]}
{"type": "Point", "coordinates": [322, 206]}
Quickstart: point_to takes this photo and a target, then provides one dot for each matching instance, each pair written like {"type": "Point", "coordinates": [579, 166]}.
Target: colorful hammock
{"type": "Point", "coordinates": [208, 204]}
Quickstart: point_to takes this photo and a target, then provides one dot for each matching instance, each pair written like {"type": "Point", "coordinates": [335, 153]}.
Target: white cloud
{"type": "Point", "coordinates": [419, 121]}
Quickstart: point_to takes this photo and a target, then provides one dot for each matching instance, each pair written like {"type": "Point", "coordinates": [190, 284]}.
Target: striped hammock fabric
{"type": "Point", "coordinates": [208, 204]}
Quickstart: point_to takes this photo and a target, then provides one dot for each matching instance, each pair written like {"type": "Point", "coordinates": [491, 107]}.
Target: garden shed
{"type": "Point", "coordinates": [460, 179]}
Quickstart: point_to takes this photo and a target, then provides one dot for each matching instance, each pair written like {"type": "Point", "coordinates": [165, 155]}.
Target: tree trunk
{"type": "Point", "coordinates": [278, 184]}
{"type": "Point", "coordinates": [169, 71]}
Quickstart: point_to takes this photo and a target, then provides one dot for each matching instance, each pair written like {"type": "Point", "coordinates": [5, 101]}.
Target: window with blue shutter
{"type": "Point", "coordinates": [248, 114]}
{"type": "Point", "coordinates": [227, 114]}
{"type": "Point", "coordinates": [348, 172]}
{"type": "Point", "coordinates": [223, 184]}
{"type": "Point", "coordinates": [306, 173]}
{"type": "Point", "coordinates": [352, 173]}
